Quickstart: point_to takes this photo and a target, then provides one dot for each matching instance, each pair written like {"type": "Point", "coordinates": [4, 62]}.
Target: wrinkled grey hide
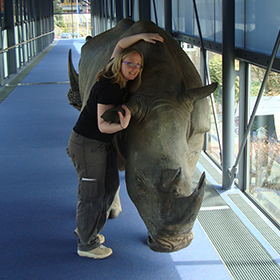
{"type": "Point", "coordinates": [161, 146]}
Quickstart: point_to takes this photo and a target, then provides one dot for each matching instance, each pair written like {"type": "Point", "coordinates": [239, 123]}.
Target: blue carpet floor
{"type": "Point", "coordinates": [38, 195]}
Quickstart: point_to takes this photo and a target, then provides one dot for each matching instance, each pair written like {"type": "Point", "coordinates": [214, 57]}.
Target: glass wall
{"type": "Point", "coordinates": [26, 29]}
{"type": "Point", "coordinates": [262, 21]}
{"type": "Point", "coordinates": [264, 185]}
{"type": "Point", "coordinates": [157, 12]}
{"type": "Point", "coordinates": [253, 20]}
{"type": "Point", "coordinates": [210, 14]}
{"type": "Point", "coordinates": [215, 134]}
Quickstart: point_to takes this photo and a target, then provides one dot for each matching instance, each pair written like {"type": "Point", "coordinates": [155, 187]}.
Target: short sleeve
{"type": "Point", "coordinates": [109, 94]}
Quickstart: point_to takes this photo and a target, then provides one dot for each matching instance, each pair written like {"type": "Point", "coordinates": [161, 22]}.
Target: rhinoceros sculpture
{"type": "Point", "coordinates": [161, 146]}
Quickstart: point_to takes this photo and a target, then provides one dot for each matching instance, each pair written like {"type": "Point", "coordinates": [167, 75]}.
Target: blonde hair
{"type": "Point", "coordinates": [113, 70]}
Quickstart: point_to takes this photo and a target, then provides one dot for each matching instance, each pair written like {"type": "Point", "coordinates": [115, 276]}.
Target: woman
{"type": "Point", "coordinates": [90, 148]}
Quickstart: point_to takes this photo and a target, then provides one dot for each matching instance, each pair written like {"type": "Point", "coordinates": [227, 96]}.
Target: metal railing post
{"type": "Point", "coordinates": [228, 89]}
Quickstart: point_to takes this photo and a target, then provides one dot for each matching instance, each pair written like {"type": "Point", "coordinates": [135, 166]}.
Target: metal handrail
{"type": "Point", "coordinates": [27, 41]}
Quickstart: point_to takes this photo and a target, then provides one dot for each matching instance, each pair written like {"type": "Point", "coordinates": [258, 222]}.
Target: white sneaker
{"type": "Point", "coordinates": [100, 252]}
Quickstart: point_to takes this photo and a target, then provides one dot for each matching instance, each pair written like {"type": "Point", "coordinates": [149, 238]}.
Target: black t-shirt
{"type": "Point", "coordinates": [103, 92]}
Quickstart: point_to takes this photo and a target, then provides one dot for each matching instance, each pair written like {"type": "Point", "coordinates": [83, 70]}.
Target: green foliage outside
{"type": "Point", "coordinates": [56, 7]}
{"type": "Point", "coordinates": [215, 66]}
{"type": "Point", "coordinates": [58, 17]}
{"type": "Point", "coordinates": [272, 85]}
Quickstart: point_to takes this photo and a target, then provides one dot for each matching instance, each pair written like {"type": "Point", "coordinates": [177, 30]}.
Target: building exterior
{"type": "Point", "coordinates": [70, 6]}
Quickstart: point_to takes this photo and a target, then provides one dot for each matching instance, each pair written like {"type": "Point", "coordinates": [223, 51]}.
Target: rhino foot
{"type": "Point", "coordinates": [170, 244]}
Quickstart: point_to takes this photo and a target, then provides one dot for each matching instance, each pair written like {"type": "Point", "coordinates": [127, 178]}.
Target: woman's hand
{"type": "Point", "coordinates": [152, 37]}
{"type": "Point", "coordinates": [125, 119]}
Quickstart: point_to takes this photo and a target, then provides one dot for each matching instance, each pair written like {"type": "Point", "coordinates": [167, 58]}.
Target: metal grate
{"type": "Point", "coordinates": [241, 253]}
{"type": "Point", "coordinates": [257, 221]}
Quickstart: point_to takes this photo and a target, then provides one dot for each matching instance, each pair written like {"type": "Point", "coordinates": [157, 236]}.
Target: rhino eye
{"type": "Point", "coordinates": [140, 182]}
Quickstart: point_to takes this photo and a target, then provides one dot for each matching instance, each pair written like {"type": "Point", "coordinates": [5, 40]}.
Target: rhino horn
{"type": "Point", "coordinates": [202, 92]}
{"type": "Point", "coordinates": [185, 209]}
{"type": "Point", "coordinates": [170, 179]}
{"type": "Point", "coordinates": [73, 76]}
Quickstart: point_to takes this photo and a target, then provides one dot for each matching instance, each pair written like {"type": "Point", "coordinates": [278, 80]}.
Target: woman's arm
{"type": "Point", "coordinates": [130, 40]}
{"type": "Point", "coordinates": [106, 127]}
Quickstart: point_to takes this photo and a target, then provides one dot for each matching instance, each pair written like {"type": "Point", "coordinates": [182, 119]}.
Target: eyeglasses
{"type": "Point", "coordinates": [133, 65]}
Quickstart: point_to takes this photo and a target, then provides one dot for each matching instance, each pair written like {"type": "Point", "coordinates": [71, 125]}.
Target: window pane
{"type": "Point", "coordinates": [264, 183]}
{"type": "Point", "coordinates": [215, 134]}
{"type": "Point", "coordinates": [215, 68]}
{"type": "Point", "coordinates": [183, 19]}
{"type": "Point", "coordinates": [262, 21]}
{"type": "Point", "coordinates": [206, 13]}
{"type": "Point", "coordinates": [215, 65]}
{"type": "Point", "coordinates": [194, 54]}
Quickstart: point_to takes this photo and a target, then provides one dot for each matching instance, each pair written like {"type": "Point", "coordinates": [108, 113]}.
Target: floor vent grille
{"type": "Point", "coordinates": [257, 221]}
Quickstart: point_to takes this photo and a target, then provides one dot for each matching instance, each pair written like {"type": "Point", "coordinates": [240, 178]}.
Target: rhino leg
{"type": "Point", "coordinates": [115, 208]}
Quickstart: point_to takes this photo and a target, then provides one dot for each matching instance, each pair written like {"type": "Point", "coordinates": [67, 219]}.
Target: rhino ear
{"type": "Point", "coordinates": [202, 92]}
{"type": "Point", "coordinates": [112, 115]}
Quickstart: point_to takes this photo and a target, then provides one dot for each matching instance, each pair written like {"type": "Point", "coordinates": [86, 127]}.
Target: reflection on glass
{"type": "Point", "coordinates": [264, 183]}
{"type": "Point", "coordinates": [215, 70]}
